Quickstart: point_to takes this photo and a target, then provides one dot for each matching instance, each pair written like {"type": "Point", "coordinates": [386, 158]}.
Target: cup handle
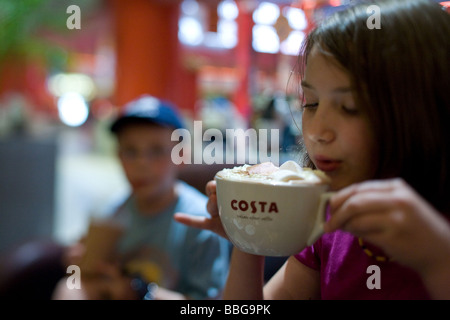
{"type": "Point", "coordinates": [317, 230]}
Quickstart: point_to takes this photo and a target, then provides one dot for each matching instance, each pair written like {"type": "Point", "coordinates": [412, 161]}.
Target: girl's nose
{"type": "Point", "coordinates": [320, 127]}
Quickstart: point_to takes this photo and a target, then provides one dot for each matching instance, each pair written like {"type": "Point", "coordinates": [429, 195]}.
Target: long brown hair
{"type": "Point", "coordinates": [401, 73]}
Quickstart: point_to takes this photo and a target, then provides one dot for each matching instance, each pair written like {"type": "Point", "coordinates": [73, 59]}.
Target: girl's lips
{"type": "Point", "coordinates": [326, 164]}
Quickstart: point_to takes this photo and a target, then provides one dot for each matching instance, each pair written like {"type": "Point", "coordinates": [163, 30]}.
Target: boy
{"type": "Point", "coordinates": [159, 258]}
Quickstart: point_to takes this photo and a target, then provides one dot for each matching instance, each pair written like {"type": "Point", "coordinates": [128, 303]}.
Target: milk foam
{"type": "Point", "coordinates": [289, 173]}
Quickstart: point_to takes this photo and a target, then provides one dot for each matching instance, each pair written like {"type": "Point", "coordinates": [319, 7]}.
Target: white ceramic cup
{"type": "Point", "coordinates": [271, 220]}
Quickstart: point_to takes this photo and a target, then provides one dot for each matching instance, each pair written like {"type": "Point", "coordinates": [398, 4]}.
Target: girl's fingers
{"type": "Point", "coordinates": [367, 225]}
{"type": "Point", "coordinates": [210, 188]}
{"type": "Point", "coordinates": [359, 204]}
{"type": "Point", "coordinates": [213, 224]}
{"type": "Point", "coordinates": [369, 186]}
{"type": "Point", "coordinates": [211, 206]}
{"type": "Point", "coordinates": [192, 221]}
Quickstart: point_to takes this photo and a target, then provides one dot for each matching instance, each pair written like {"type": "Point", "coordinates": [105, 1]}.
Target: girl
{"type": "Point", "coordinates": [375, 116]}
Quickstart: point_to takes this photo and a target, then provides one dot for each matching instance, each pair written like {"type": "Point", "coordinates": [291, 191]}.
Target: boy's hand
{"type": "Point", "coordinates": [114, 285]}
{"type": "Point", "coordinates": [213, 223]}
{"type": "Point", "coordinates": [73, 254]}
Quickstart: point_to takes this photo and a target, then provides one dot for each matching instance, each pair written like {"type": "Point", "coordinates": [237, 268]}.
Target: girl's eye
{"type": "Point", "coordinates": [310, 105]}
{"type": "Point", "coordinates": [349, 110]}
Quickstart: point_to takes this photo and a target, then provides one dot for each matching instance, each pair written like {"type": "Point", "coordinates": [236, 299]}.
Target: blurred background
{"type": "Point", "coordinates": [67, 67]}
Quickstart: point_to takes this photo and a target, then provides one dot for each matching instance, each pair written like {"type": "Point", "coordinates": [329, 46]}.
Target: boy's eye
{"type": "Point", "coordinates": [157, 152]}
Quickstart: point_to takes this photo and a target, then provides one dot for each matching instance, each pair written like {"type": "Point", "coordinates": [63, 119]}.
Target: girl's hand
{"type": "Point", "coordinates": [213, 223]}
{"type": "Point", "coordinates": [392, 216]}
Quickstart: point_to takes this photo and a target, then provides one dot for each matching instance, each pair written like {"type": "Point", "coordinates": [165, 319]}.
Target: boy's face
{"type": "Point", "coordinates": [337, 132]}
{"type": "Point", "coordinates": [145, 154]}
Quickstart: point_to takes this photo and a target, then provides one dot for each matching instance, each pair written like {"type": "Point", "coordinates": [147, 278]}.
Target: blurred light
{"type": "Point", "coordinates": [228, 10]}
{"type": "Point", "coordinates": [266, 13]}
{"type": "Point", "coordinates": [227, 32]}
{"type": "Point", "coordinates": [265, 39]}
{"type": "Point", "coordinates": [212, 40]}
{"type": "Point", "coordinates": [190, 7]}
{"type": "Point", "coordinates": [72, 108]}
{"type": "Point", "coordinates": [291, 45]}
{"type": "Point", "coordinates": [296, 18]}
{"type": "Point", "coordinates": [62, 83]}
{"type": "Point", "coordinates": [190, 31]}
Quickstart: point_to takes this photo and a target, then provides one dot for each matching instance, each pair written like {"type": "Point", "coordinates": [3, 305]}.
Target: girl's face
{"type": "Point", "coordinates": [145, 154]}
{"type": "Point", "coordinates": [337, 133]}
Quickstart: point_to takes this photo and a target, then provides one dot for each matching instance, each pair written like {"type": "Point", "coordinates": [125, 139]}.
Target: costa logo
{"type": "Point", "coordinates": [253, 206]}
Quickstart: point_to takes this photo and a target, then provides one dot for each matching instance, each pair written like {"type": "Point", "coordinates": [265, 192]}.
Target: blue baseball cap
{"type": "Point", "coordinates": [149, 109]}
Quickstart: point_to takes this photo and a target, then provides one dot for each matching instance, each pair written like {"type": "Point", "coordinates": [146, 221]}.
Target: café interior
{"type": "Point", "coordinates": [68, 67]}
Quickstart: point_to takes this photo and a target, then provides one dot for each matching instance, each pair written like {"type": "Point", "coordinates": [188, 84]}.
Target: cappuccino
{"type": "Point", "coordinates": [288, 173]}
{"type": "Point", "coordinates": [270, 210]}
